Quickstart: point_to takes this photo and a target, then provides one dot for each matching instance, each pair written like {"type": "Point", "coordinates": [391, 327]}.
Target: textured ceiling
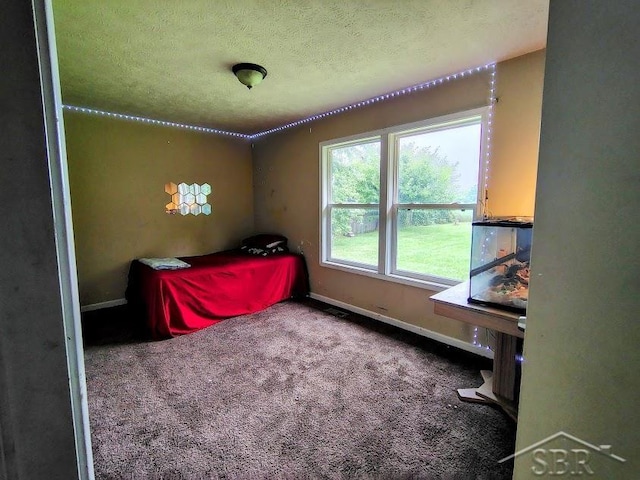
{"type": "Point", "coordinates": [171, 59]}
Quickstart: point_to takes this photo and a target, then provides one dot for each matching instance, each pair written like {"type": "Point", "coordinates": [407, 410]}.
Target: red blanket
{"type": "Point", "coordinates": [215, 287]}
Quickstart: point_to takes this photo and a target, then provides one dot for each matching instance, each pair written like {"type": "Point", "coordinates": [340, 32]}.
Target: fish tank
{"type": "Point", "coordinates": [500, 256]}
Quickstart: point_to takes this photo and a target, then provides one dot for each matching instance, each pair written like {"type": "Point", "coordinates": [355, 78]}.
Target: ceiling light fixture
{"type": "Point", "coordinates": [249, 74]}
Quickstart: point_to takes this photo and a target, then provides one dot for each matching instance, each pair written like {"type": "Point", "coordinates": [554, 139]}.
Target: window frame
{"type": "Point", "coordinates": [388, 205]}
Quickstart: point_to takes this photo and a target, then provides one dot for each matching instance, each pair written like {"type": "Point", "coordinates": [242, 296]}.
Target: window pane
{"type": "Point", "coordinates": [435, 242]}
{"type": "Point", "coordinates": [354, 235]}
{"type": "Point", "coordinates": [355, 173]}
{"type": "Point", "coordinates": [439, 166]}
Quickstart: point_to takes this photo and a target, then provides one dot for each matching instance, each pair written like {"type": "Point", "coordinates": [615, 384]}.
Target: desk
{"type": "Point", "coordinates": [500, 384]}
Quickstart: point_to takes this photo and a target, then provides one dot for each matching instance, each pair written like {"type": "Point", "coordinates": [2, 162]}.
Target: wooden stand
{"type": "Point", "coordinates": [500, 385]}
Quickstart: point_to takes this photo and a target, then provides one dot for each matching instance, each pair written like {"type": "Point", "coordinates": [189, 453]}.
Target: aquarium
{"type": "Point", "coordinates": [500, 255]}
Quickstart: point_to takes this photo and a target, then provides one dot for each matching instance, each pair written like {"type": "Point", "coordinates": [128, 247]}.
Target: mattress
{"type": "Point", "coordinates": [215, 287]}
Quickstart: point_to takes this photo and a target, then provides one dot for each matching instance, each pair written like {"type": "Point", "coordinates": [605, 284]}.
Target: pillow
{"type": "Point", "coordinates": [164, 263]}
{"type": "Point", "coordinates": [264, 252]}
{"type": "Point", "coordinates": [265, 241]}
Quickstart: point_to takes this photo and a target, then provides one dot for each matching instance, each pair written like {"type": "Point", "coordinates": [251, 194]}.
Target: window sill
{"type": "Point", "coordinates": [424, 284]}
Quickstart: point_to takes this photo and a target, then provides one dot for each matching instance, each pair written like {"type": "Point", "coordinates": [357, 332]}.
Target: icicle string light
{"type": "Point", "coordinates": [491, 67]}
{"type": "Point", "coordinates": [151, 121]}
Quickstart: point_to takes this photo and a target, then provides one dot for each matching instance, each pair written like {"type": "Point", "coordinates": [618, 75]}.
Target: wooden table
{"type": "Point", "coordinates": [500, 385]}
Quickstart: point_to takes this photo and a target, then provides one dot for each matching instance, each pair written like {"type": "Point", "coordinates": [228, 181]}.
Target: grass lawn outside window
{"type": "Point", "coordinates": [441, 249]}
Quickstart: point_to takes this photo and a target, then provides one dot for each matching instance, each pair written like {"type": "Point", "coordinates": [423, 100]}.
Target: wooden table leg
{"type": "Point", "coordinates": [504, 366]}
{"type": "Point", "coordinates": [499, 386]}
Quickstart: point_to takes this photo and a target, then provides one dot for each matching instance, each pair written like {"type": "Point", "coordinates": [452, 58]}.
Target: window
{"type": "Point", "coordinates": [399, 202]}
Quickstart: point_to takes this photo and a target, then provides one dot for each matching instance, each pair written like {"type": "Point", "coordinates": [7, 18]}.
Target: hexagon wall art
{"type": "Point", "coordinates": [188, 199]}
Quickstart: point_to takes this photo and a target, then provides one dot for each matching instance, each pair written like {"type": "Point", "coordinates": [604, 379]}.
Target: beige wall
{"type": "Point", "coordinates": [516, 131]}
{"type": "Point", "coordinates": [286, 180]}
{"type": "Point", "coordinates": [581, 344]}
{"type": "Point", "coordinates": [117, 173]}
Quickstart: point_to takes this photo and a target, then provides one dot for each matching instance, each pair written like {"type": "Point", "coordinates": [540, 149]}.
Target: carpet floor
{"type": "Point", "coordinates": [293, 392]}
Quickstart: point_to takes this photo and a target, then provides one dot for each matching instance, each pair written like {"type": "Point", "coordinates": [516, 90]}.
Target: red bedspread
{"type": "Point", "coordinates": [215, 287]}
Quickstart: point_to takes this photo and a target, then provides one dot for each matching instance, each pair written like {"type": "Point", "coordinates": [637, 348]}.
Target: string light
{"type": "Point", "coordinates": [476, 343]}
{"type": "Point", "coordinates": [135, 118]}
{"type": "Point", "coordinates": [492, 101]}
{"type": "Point", "coordinates": [379, 98]}
{"type": "Point", "coordinates": [429, 84]}
{"type": "Point", "coordinates": [519, 357]}
{"type": "Point", "coordinates": [491, 68]}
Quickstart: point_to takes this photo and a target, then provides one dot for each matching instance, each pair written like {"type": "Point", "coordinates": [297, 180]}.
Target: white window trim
{"type": "Point", "coordinates": [388, 208]}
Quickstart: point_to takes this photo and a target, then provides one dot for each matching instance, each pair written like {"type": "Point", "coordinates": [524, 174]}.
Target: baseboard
{"type": "Point", "coordinates": [454, 342]}
{"type": "Point", "coordinates": [108, 304]}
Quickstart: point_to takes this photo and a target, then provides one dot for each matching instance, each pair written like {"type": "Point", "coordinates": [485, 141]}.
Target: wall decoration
{"type": "Point", "coordinates": [188, 199]}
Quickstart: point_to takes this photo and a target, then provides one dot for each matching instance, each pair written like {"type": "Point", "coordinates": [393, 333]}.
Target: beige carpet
{"type": "Point", "coordinates": [292, 392]}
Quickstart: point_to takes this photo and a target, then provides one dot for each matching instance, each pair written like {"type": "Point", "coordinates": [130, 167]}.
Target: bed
{"type": "Point", "coordinates": [215, 287]}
